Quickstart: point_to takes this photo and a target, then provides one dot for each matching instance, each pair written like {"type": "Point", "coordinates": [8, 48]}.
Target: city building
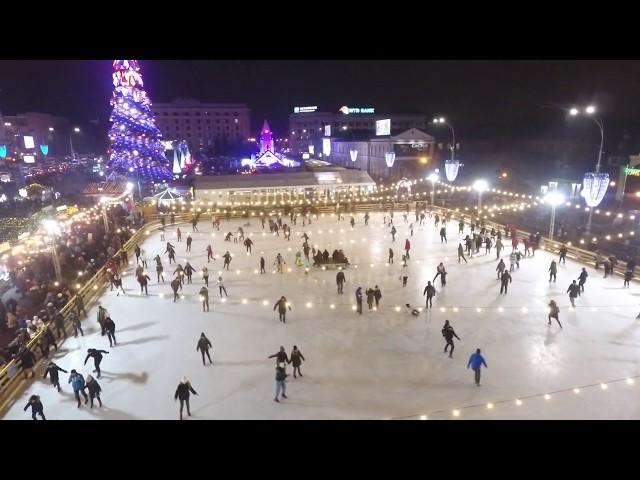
{"type": "Point", "coordinates": [32, 136]}
{"type": "Point", "coordinates": [409, 154]}
{"type": "Point", "coordinates": [307, 124]}
{"type": "Point", "coordinates": [203, 125]}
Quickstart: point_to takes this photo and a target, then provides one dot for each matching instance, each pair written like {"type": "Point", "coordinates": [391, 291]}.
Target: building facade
{"type": "Point", "coordinates": [25, 133]}
{"type": "Point", "coordinates": [306, 124]}
{"type": "Point", "coordinates": [203, 125]}
{"type": "Point", "coordinates": [410, 153]}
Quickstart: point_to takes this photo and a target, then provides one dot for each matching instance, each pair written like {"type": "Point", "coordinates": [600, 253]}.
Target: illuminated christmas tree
{"type": "Point", "coordinates": [135, 150]}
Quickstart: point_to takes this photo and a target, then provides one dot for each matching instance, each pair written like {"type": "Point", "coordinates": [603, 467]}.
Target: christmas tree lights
{"type": "Point", "coordinates": [135, 146]}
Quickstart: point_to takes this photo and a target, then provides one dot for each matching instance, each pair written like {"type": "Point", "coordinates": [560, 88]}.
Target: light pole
{"type": "Point", "coordinates": [442, 121]}
{"type": "Point", "coordinates": [480, 186]}
{"type": "Point", "coordinates": [554, 199]}
{"type": "Point", "coordinates": [590, 112]}
{"type": "Point", "coordinates": [52, 228]}
{"type": "Point", "coordinates": [75, 130]}
{"type": "Point", "coordinates": [433, 178]}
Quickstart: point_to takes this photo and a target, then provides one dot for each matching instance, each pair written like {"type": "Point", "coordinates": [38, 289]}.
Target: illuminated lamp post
{"type": "Point", "coordinates": [75, 130]}
{"type": "Point", "coordinates": [480, 186]}
{"type": "Point", "coordinates": [554, 199]}
{"type": "Point", "coordinates": [433, 178]}
{"type": "Point", "coordinates": [52, 228]}
{"type": "Point", "coordinates": [595, 184]}
{"type": "Point", "coordinates": [451, 165]}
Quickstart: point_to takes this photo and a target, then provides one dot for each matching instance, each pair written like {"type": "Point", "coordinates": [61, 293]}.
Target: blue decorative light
{"type": "Point", "coordinates": [44, 149]}
{"type": "Point", "coordinates": [3, 151]}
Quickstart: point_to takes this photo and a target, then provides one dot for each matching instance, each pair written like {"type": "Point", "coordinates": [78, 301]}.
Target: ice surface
{"type": "Point", "coordinates": [383, 364]}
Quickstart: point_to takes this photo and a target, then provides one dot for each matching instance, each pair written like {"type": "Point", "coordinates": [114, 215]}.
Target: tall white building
{"type": "Point", "coordinates": [202, 124]}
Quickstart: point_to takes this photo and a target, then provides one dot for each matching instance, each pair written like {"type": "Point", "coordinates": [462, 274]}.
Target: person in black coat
{"type": "Point", "coordinates": [203, 346]}
{"type": "Point", "coordinates": [182, 393]}
{"type": "Point", "coordinates": [296, 360]}
{"type": "Point", "coordinates": [430, 292]}
{"type": "Point", "coordinates": [94, 389]}
{"type": "Point", "coordinates": [27, 361]}
{"type": "Point", "coordinates": [110, 328]}
{"type": "Point", "coordinates": [97, 358]}
{"type": "Point", "coordinates": [448, 333]}
{"type": "Point", "coordinates": [280, 356]}
{"type": "Point", "coordinates": [36, 407]}
{"type": "Point", "coordinates": [58, 322]}
{"type": "Point", "coordinates": [281, 305]}
{"type": "Point", "coordinates": [505, 280]}
{"type": "Point", "coordinates": [175, 285]}
{"type": "Point", "coordinates": [340, 279]}
{"type": "Point", "coordinates": [52, 370]}
{"type": "Point", "coordinates": [143, 280]}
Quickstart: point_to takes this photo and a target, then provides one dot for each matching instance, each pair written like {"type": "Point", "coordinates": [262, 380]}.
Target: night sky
{"type": "Point", "coordinates": [482, 99]}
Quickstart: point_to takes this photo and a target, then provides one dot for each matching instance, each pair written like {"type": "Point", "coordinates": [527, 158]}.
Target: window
{"type": "Point", "coordinates": [217, 120]}
{"type": "Point", "coordinates": [235, 114]}
{"type": "Point", "coordinates": [226, 114]}
{"type": "Point", "coordinates": [176, 120]}
{"type": "Point", "coordinates": [175, 114]}
{"type": "Point", "coordinates": [217, 114]}
{"type": "Point", "coordinates": [235, 120]}
{"type": "Point", "coordinates": [198, 114]}
{"type": "Point", "coordinates": [165, 114]}
{"type": "Point", "coordinates": [208, 120]}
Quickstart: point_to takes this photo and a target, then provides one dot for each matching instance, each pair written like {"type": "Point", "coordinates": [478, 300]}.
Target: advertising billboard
{"type": "Point", "coordinates": [28, 142]}
{"type": "Point", "coordinates": [383, 127]}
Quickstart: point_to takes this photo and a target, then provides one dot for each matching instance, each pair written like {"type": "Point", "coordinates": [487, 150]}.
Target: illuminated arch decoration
{"type": "Point", "coordinates": [3, 151]}
{"type": "Point", "coordinates": [594, 188]}
{"type": "Point", "coordinates": [44, 149]}
{"type": "Point", "coordinates": [451, 168]}
{"type": "Point", "coordinates": [406, 184]}
{"type": "Point", "coordinates": [353, 154]}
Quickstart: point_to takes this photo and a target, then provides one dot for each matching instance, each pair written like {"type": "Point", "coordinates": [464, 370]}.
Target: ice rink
{"type": "Point", "coordinates": [383, 364]}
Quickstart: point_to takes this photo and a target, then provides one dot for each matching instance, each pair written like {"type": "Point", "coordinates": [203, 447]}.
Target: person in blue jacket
{"type": "Point", "coordinates": [77, 383]}
{"type": "Point", "coordinates": [476, 361]}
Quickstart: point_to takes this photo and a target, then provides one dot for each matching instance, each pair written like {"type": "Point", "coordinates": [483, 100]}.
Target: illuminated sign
{"type": "Point", "coordinates": [312, 149]}
{"type": "Point", "coordinates": [305, 109]}
{"type": "Point", "coordinates": [327, 130]}
{"type": "Point", "coordinates": [326, 146]}
{"type": "Point", "coordinates": [305, 156]}
{"type": "Point", "coordinates": [29, 159]}
{"type": "Point", "coordinates": [347, 110]}
{"type": "Point", "coordinates": [3, 151]}
{"type": "Point", "coordinates": [28, 142]}
{"type": "Point", "coordinates": [634, 172]}
{"type": "Point", "coordinates": [383, 127]}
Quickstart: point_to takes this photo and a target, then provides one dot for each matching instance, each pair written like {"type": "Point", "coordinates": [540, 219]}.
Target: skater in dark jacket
{"type": "Point", "coordinates": [377, 294]}
{"type": "Point", "coordinates": [359, 300]}
{"type": "Point", "coordinates": [94, 389]}
{"type": "Point", "coordinates": [262, 270]}
{"type": "Point", "coordinates": [448, 333]}
{"type": "Point", "coordinates": [97, 358]}
{"type": "Point", "coordinates": [209, 253]}
{"type": "Point", "coordinates": [573, 291]}
{"type": "Point", "coordinates": [505, 280]}
{"type": "Point", "coordinates": [553, 270]}
{"type": "Point", "coordinates": [203, 347]}
{"type": "Point", "coordinates": [628, 276]}
{"type": "Point", "coordinates": [143, 280]}
{"type": "Point", "coordinates": [430, 292]}
{"type": "Point", "coordinates": [582, 279]}
{"type": "Point", "coordinates": [370, 297]}
{"type": "Point", "coordinates": [75, 321]}
{"type": "Point", "coordinates": [36, 407]}
{"type": "Point", "coordinates": [282, 305]}
{"type": "Point", "coordinates": [189, 240]}
{"type": "Point", "coordinates": [188, 271]}
{"type": "Point", "coordinates": [110, 328]}
{"type": "Point", "coordinates": [390, 256]}
{"type": "Point", "coordinates": [296, 359]}
{"type": "Point", "coordinates": [204, 296]}
{"type": "Point", "coordinates": [175, 285]}
{"type": "Point", "coordinates": [52, 370]}
{"type": "Point", "coordinates": [442, 273]}
{"type": "Point", "coordinates": [27, 361]}
{"type": "Point", "coordinates": [461, 253]}
{"type": "Point", "coordinates": [280, 356]}
{"type": "Point", "coordinates": [182, 393]}
{"type": "Point", "coordinates": [563, 254]}
{"type": "Point", "coordinates": [340, 279]}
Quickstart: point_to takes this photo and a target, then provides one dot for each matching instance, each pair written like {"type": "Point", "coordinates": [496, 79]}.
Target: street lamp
{"type": "Point", "coordinates": [595, 184]}
{"type": "Point", "coordinates": [75, 130]}
{"type": "Point", "coordinates": [52, 228]}
{"type": "Point", "coordinates": [433, 178]}
{"type": "Point", "coordinates": [480, 186]}
{"type": "Point", "coordinates": [451, 165]}
{"type": "Point", "coordinates": [554, 199]}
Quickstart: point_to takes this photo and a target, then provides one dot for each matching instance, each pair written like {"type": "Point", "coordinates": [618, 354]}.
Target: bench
{"type": "Point", "coordinates": [332, 266]}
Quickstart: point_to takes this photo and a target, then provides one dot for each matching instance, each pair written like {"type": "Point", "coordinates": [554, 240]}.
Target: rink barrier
{"type": "Point", "coordinates": [12, 381]}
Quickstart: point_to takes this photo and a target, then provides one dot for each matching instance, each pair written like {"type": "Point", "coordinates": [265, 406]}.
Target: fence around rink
{"type": "Point", "coordinates": [12, 385]}
{"type": "Point", "coordinates": [12, 381]}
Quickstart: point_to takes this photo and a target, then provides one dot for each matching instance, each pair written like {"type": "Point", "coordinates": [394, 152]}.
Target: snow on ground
{"type": "Point", "coordinates": [383, 364]}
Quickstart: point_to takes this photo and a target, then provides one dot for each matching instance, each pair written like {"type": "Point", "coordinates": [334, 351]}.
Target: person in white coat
{"type": "Point", "coordinates": [404, 274]}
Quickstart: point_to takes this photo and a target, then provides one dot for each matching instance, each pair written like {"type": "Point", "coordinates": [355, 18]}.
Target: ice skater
{"type": "Point", "coordinates": [340, 279]}
{"type": "Point", "coordinates": [554, 312]}
{"type": "Point", "coordinates": [75, 321]}
{"type": "Point", "coordinates": [582, 279]}
{"type": "Point", "coordinates": [209, 254]}
{"type": "Point", "coordinates": [77, 384]}
{"type": "Point", "coordinates": [188, 271]}
{"type": "Point", "coordinates": [377, 294]}
{"type": "Point", "coordinates": [36, 407]}
{"type": "Point", "coordinates": [359, 300]}
{"type": "Point", "coordinates": [461, 253]}
{"type": "Point", "coordinates": [573, 291]}
{"type": "Point", "coordinates": [393, 234]}
{"type": "Point", "coordinates": [262, 270]}
{"type": "Point", "coordinates": [443, 235]}
{"type": "Point", "coordinates": [442, 273]}
{"type": "Point", "coordinates": [205, 276]}
{"type": "Point", "coordinates": [281, 387]}
{"type": "Point", "coordinates": [404, 275]}
{"type": "Point", "coordinates": [189, 240]}
{"type": "Point", "coordinates": [280, 356]}
{"type": "Point", "coordinates": [204, 344]}
{"type": "Point", "coordinates": [282, 306]}
{"type": "Point", "coordinates": [448, 333]}
{"type": "Point", "coordinates": [221, 287]}
{"type": "Point", "coordinates": [563, 254]}
{"type": "Point", "coordinates": [52, 370]}
{"type": "Point", "coordinates": [500, 268]}
{"type": "Point", "coordinates": [143, 280]}
{"type": "Point", "coordinates": [94, 389]}
{"type": "Point", "coordinates": [110, 329]}
{"type": "Point", "coordinates": [476, 361]}
{"type": "Point", "coordinates": [553, 270]}
{"type": "Point", "coordinates": [227, 260]}
{"type": "Point", "coordinates": [183, 392]}
{"type": "Point", "coordinates": [407, 248]}
{"type": "Point", "coordinates": [390, 260]}
{"type": "Point", "coordinates": [248, 243]}
{"type": "Point", "coordinates": [204, 297]}
{"type": "Point", "coordinates": [97, 358]}
{"type": "Point", "coordinates": [175, 285]}
{"type": "Point", "coordinates": [505, 280]}
{"type": "Point", "coordinates": [430, 292]}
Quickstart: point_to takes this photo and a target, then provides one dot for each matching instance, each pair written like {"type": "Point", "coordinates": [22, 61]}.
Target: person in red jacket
{"type": "Point", "coordinates": [514, 243]}
{"type": "Point", "coordinates": [407, 247]}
